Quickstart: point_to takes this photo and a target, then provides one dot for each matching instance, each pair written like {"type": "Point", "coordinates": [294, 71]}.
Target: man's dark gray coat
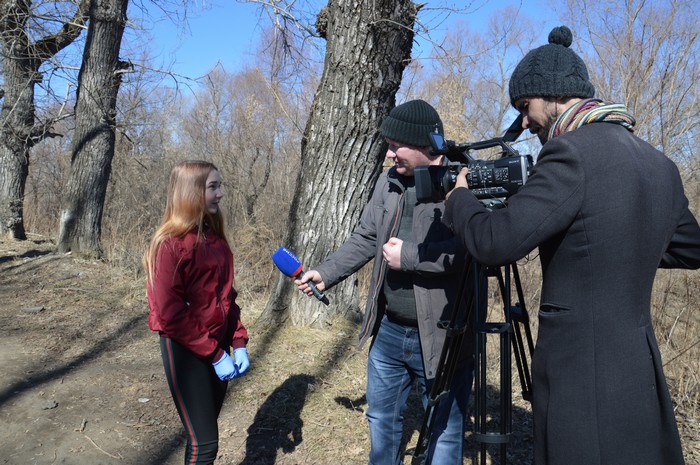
{"type": "Point", "coordinates": [606, 210]}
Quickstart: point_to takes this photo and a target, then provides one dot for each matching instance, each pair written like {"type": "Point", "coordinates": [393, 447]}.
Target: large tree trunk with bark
{"type": "Point", "coordinates": [18, 129]}
{"type": "Point", "coordinates": [16, 122]}
{"type": "Point", "coordinates": [368, 46]}
{"type": "Point", "coordinates": [83, 199]}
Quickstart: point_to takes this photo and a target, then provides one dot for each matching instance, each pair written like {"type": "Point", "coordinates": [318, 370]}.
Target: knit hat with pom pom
{"type": "Point", "coordinates": [552, 70]}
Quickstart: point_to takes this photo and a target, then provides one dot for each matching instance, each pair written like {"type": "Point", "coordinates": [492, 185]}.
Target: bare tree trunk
{"type": "Point", "coordinates": [368, 46]}
{"type": "Point", "coordinates": [14, 168]}
{"type": "Point", "coordinates": [16, 122]}
{"type": "Point", "coordinates": [18, 129]}
{"type": "Point", "coordinates": [82, 204]}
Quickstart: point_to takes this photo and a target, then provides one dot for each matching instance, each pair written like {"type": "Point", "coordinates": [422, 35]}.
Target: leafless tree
{"type": "Point", "coordinates": [368, 45]}
{"type": "Point", "coordinates": [28, 42]}
{"type": "Point", "coordinates": [234, 122]}
{"type": "Point", "coordinates": [93, 145]}
{"type": "Point", "coordinates": [469, 71]}
{"type": "Point", "coordinates": [645, 54]}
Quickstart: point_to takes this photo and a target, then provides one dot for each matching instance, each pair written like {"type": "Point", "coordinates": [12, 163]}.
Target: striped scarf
{"type": "Point", "coordinates": [590, 111]}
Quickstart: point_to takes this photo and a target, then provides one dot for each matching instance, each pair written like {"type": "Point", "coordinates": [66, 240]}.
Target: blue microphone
{"type": "Point", "coordinates": [291, 266]}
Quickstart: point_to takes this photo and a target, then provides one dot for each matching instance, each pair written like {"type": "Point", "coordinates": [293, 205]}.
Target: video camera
{"type": "Point", "coordinates": [487, 179]}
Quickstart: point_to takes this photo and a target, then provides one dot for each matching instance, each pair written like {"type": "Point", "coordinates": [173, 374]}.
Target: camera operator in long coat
{"type": "Point", "coordinates": [606, 210]}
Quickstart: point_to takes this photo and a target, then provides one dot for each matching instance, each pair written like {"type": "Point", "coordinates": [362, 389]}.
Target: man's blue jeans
{"type": "Point", "coordinates": [395, 362]}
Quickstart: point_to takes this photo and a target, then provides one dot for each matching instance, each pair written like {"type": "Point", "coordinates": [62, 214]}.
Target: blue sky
{"type": "Point", "coordinates": [226, 31]}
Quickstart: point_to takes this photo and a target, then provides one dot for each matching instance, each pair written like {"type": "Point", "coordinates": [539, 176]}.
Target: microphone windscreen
{"type": "Point", "coordinates": [287, 262]}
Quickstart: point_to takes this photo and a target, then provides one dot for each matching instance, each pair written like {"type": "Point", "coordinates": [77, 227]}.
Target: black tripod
{"type": "Point", "coordinates": [513, 330]}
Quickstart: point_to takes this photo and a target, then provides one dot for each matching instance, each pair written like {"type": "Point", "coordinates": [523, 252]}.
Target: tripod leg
{"type": "Point", "coordinates": [449, 358]}
{"type": "Point", "coordinates": [518, 317]}
{"type": "Point", "coordinates": [480, 391]}
{"type": "Point", "coordinates": [521, 324]}
{"type": "Point", "coordinates": [485, 435]}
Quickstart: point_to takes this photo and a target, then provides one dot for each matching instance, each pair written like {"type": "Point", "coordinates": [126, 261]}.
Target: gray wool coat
{"type": "Point", "coordinates": [606, 210]}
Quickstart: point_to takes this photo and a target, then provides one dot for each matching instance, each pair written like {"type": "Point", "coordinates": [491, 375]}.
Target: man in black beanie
{"type": "Point", "coordinates": [415, 283]}
{"type": "Point", "coordinates": [606, 210]}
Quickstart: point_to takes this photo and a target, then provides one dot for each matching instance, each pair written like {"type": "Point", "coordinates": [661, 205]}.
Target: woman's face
{"type": "Point", "coordinates": [213, 191]}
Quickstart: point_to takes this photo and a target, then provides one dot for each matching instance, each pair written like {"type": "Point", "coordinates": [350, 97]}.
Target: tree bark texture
{"type": "Point", "coordinates": [368, 45]}
{"type": "Point", "coordinates": [18, 129]}
{"type": "Point", "coordinates": [82, 203]}
{"type": "Point", "coordinates": [16, 122]}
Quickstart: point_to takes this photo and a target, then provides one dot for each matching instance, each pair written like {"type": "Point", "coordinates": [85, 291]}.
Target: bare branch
{"type": "Point", "coordinates": [50, 46]}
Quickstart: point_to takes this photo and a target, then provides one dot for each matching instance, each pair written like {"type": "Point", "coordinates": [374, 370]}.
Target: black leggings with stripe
{"type": "Point", "coordinates": [198, 394]}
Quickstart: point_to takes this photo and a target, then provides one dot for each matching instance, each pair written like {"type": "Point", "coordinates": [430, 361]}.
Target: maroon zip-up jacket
{"type": "Point", "coordinates": [192, 299]}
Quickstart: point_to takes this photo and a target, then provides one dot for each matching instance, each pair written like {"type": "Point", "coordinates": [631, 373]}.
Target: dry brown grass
{"type": "Point", "coordinates": [90, 351]}
{"type": "Point", "coordinates": [303, 401]}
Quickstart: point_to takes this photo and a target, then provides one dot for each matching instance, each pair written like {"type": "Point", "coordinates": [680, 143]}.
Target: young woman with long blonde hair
{"type": "Point", "coordinates": [193, 304]}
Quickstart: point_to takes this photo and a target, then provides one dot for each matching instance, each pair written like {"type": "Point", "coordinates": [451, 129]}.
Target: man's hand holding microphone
{"type": "Point", "coordinates": [312, 276]}
{"type": "Point", "coordinates": [391, 252]}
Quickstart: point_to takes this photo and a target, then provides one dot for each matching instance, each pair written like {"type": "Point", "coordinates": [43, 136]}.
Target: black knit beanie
{"type": "Point", "coordinates": [552, 70]}
{"type": "Point", "coordinates": [411, 122]}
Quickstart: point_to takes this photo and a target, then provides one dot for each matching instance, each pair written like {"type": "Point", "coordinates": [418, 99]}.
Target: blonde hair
{"type": "Point", "coordinates": [185, 209]}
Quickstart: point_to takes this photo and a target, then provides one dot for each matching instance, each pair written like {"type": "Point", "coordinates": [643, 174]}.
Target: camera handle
{"type": "Point", "coordinates": [515, 323]}
{"type": "Point", "coordinates": [460, 153]}
{"type": "Point", "coordinates": [511, 135]}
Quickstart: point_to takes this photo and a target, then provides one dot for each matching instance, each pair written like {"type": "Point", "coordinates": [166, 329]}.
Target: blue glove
{"type": "Point", "coordinates": [242, 362]}
{"type": "Point", "coordinates": [225, 369]}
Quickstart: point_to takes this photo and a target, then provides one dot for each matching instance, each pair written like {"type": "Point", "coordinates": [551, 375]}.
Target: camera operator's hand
{"type": "Point", "coordinates": [313, 276]}
{"type": "Point", "coordinates": [461, 181]}
{"type": "Point", "coordinates": [391, 251]}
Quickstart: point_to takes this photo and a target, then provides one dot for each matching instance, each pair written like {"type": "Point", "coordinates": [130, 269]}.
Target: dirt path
{"type": "Point", "coordinates": [78, 366]}
{"type": "Point", "coordinates": [82, 380]}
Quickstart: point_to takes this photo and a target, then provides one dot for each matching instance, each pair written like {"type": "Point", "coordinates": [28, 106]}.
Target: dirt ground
{"type": "Point", "coordinates": [83, 384]}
